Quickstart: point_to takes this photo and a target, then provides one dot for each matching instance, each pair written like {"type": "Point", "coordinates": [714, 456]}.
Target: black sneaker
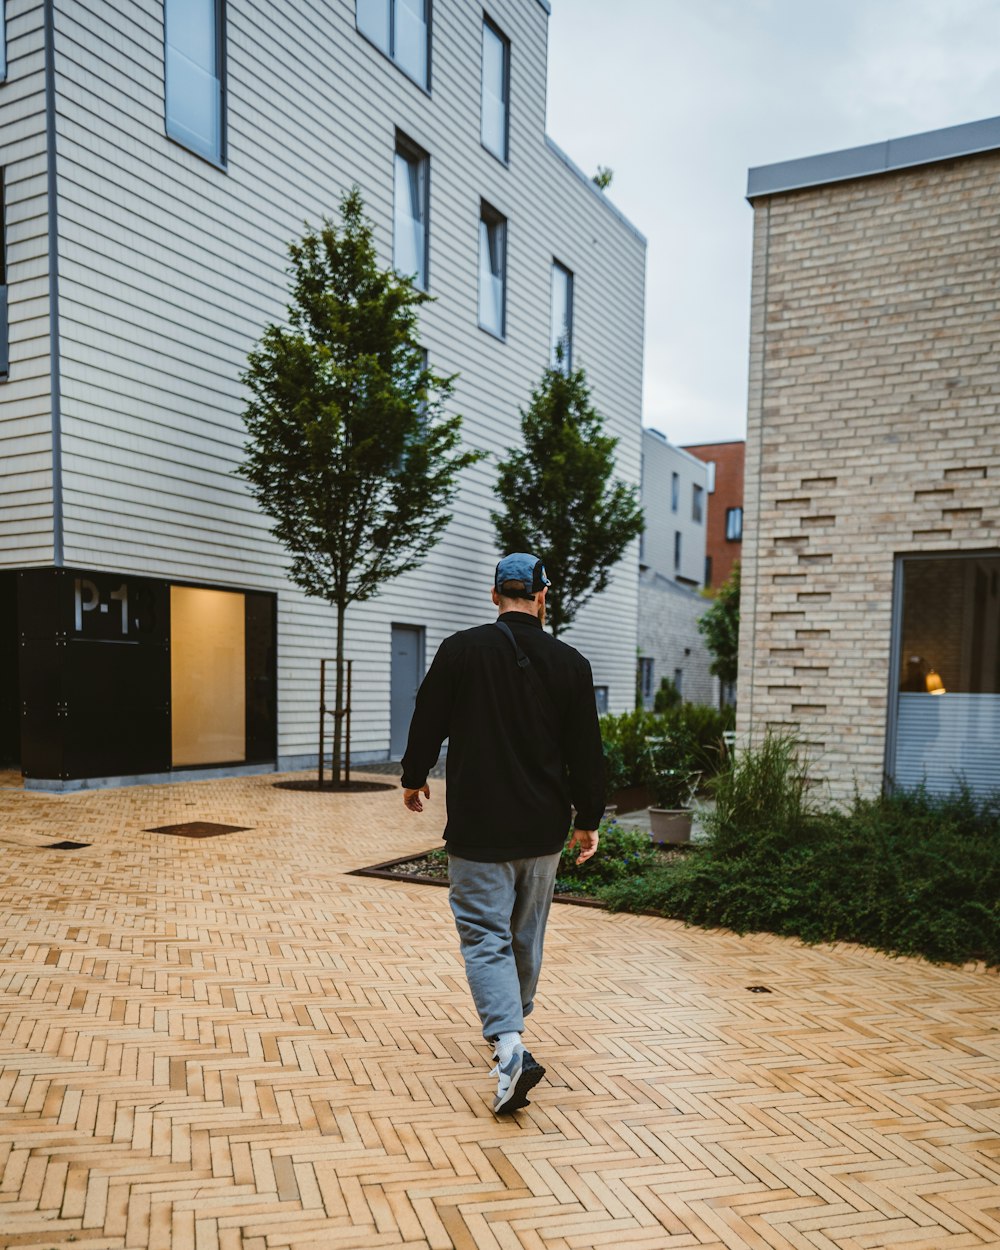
{"type": "Point", "coordinates": [514, 1079]}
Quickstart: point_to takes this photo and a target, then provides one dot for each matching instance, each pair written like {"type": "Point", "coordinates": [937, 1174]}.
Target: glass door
{"type": "Point", "coordinates": [207, 676]}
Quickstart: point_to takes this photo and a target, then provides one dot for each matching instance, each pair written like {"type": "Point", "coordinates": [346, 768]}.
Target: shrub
{"type": "Point", "coordinates": [622, 854]}
{"type": "Point", "coordinates": [698, 728]}
{"type": "Point", "coordinates": [628, 734]}
{"type": "Point", "coordinates": [906, 873]}
{"type": "Point", "coordinates": [667, 697]}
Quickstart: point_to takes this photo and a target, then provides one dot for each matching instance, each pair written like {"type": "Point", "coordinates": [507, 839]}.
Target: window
{"type": "Point", "coordinates": [697, 503]}
{"type": "Point", "coordinates": [496, 91]}
{"type": "Point", "coordinates": [646, 680]}
{"type": "Point", "coordinates": [677, 549]}
{"type": "Point", "coordinates": [675, 491]}
{"type": "Point", "coordinates": [401, 28]}
{"type": "Point", "coordinates": [4, 344]}
{"type": "Point", "coordinates": [708, 570]}
{"type": "Point", "coordinates": [734, 524]}
{"type": "Point", "coordinates": [193, 32]}
{"type": "Point", "coordinates": [601, 699]}
{"type": "Point", "coordinates": [946, 647]}
{"type": "Point", "coordinates": [679, 680]}
{"type": "Point", "coordinates": [410, 211]}
{"type": "Point", "coordinates": [562, 318]}
{"type": "Point", "coordinates": [492, 271]}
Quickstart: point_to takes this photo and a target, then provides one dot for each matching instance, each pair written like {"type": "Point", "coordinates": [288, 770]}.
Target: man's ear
{"type": "Point", "coordinates": [543, 592]}
{"type": "Point", "coordinates": [496, 597]}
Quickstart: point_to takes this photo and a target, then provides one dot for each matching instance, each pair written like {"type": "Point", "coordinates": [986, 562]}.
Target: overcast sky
{"type": "Point", "coordinates": [681, 97]}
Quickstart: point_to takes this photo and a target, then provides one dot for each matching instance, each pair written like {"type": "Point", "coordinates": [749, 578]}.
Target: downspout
{"type": "Point", "coordinates": [55, 380]}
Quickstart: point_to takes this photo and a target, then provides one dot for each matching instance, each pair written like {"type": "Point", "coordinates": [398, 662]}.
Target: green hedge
{"type": "Point", "coordinates": [694, 733]}
{"type": "Point", "coordinates": [909, 873]}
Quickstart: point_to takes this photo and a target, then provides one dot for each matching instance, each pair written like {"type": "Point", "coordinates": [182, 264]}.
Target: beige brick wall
{"type": "Point", "coordinates": [873, 431]}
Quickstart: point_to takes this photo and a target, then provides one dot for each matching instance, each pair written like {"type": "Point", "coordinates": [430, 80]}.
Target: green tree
{"type": "Point", "coordinates": [350, 453]}
{"type": "Point", "coordinates": [559, 498]}
{"type": "Point", "coordinates": [720, 627]}
{"type": "Point", "coordinates": [603, 178]}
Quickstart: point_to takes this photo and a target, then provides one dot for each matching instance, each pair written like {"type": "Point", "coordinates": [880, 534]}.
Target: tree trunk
{"type": "Point", "coordinates": [338, 716]}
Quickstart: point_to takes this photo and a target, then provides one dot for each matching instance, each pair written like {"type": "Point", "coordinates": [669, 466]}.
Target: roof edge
{"type": "Point", "coordinates": [546, 6]}
{"type": "Point", "coordinates": [910, 151]}
{"type": "Point", "coordinates": [574, 168]}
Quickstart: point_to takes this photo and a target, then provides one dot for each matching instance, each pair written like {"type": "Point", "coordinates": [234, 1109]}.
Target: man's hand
{"type": "Point", "coordinates": [411, 798]}
{"type": "Point", "coordinates": [586, 840]}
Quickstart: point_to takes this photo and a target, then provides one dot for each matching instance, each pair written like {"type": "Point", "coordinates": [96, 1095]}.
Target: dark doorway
{"type": "Point", "coordinates": [407, 673]}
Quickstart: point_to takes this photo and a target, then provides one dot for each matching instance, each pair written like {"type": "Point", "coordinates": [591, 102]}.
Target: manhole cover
{"type": "Point", "coordinates": [65, 845]}
{"type": "Point", "coordinates": [356, 787]}
{"type": "Point", "coordinates": [198, 829]}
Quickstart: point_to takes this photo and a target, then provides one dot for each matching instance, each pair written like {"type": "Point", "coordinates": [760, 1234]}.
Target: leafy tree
{"type": "Point", "coordinates": [559, 498]}
{"type": "Point", "coordinates": [720, 627]}
{"type": "Point", "coordinates": [349, 452]}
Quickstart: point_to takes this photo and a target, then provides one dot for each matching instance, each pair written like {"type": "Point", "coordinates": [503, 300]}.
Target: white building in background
{"type": "Point", "coordinates": [675, 498]}
{"type": "Point", "coordinates": [157, 158]}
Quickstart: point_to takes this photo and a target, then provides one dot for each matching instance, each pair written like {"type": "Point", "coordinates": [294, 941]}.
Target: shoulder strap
{"type": "Point", "coordinates": [534, 681]}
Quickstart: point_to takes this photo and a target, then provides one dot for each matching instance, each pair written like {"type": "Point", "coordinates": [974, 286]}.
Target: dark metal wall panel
{"type": "Point", "coordinates": [262, 684]}
{"type": "Point", "coordinates": [93, 665]}
{"type": "Point", "coordinates": [10, 735]}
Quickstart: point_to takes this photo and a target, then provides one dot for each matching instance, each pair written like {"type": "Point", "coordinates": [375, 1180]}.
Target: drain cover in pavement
{"type": "Point", "coordinates": [198, 829]}
{"type": "Point", "coordinates": [65, 846]}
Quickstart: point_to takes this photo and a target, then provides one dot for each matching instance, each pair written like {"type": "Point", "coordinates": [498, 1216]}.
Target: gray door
{"type": "Point", "coordinates": [407, 672]}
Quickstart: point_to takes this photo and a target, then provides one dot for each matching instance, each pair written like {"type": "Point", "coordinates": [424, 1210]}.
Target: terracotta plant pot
{"type": "Point", "coordinates": [668, 825]}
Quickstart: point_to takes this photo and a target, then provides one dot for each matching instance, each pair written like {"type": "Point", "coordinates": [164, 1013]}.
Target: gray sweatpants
{"type": "Point", "coordinates": [500, 912]}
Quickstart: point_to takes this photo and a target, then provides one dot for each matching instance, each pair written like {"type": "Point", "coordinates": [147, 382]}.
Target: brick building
{"type": "Point", "coordinates": [724, 521]}
{"type": "Point", "coordinates": [871, 570]}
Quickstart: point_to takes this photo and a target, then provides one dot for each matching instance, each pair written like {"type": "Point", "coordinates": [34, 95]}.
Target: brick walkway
{"type": "Point", "coordinates": [229, 1043]}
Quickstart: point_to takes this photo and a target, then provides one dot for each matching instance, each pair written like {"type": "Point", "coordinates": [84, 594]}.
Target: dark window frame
{"type": "Point", "coordinates": [221, 61]}
{"type": "Point", "coordinates": [675, 491]}
{"type": "Point", "coordinates": [410, 150]}
{"type": "Point", "coordinates": [567, 364]}
{"type": "Point", "coordinates": [492, 217]}
{"type": "Point", "coordinates": [488, 23]}
{"type": "Point", "coordinates": [732, 513]}
{"type": "Point", "coordinates": [390, 53]}
{"type": "Point", "coordinates": [4, 319]}
{"type": "Point", "coordinates": [697, 503]}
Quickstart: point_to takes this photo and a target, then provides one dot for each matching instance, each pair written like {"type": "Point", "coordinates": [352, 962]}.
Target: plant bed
{"type": "Point", "coordinates": [626, 853]}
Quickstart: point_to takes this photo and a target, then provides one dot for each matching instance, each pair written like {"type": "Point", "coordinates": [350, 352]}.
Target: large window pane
{"type": "Point", "coordinates": [193, 75]}
{"type": "Point", "coordinates": [492, 272]}
{"type": "Point", "coordinates": [207, 676]}
{"type": "Point", "coordinates": [495, 91]}
{"type": "Point", "coordinates": [561, 332]}
{"type": "Point", "coordinates": [410, 38]}
{"type": "Point", "coordinates": [948, 701]}
{"type": "Point", "coordinates": [374, 22]}
{"type": "Point", "coordinates": [410, 216]}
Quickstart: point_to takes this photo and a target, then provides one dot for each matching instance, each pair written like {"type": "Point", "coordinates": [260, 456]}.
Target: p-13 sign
{"type": "Point", "coordinates": [112, 610]}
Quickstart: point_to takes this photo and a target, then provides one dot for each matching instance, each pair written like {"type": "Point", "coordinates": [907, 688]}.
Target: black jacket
{"type": "Point", "coordinates": [512, 774]}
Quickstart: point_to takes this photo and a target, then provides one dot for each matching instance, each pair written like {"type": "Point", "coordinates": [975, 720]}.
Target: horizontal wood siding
{"type": "Point", "coordinates": [170, 269]}
{"type": "Point", "coordinates": [25, 397]}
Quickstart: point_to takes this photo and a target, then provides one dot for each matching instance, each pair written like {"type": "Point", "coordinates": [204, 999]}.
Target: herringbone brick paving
{"type": "Point", "coordinates": [230, 1044]}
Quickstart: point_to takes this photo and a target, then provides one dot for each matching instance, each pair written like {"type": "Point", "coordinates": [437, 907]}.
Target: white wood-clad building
{"type": "Point", "coordinates": [157, 158]}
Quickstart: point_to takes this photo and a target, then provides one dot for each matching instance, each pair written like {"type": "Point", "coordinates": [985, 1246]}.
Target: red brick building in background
{"type": "Point", "coordinates": [724, 530]}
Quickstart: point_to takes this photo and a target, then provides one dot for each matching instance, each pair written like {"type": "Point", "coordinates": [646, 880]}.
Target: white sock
{"type": "Point", "coordinates": [507, 1043]}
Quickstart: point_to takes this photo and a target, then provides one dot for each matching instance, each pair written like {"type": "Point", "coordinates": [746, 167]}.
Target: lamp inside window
{"type": "Point", "coordinates": [934, 683]}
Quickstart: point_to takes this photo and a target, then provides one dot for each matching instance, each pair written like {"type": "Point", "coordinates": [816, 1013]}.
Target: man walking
{"type": "Point", "coordinates": [518, 709]}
